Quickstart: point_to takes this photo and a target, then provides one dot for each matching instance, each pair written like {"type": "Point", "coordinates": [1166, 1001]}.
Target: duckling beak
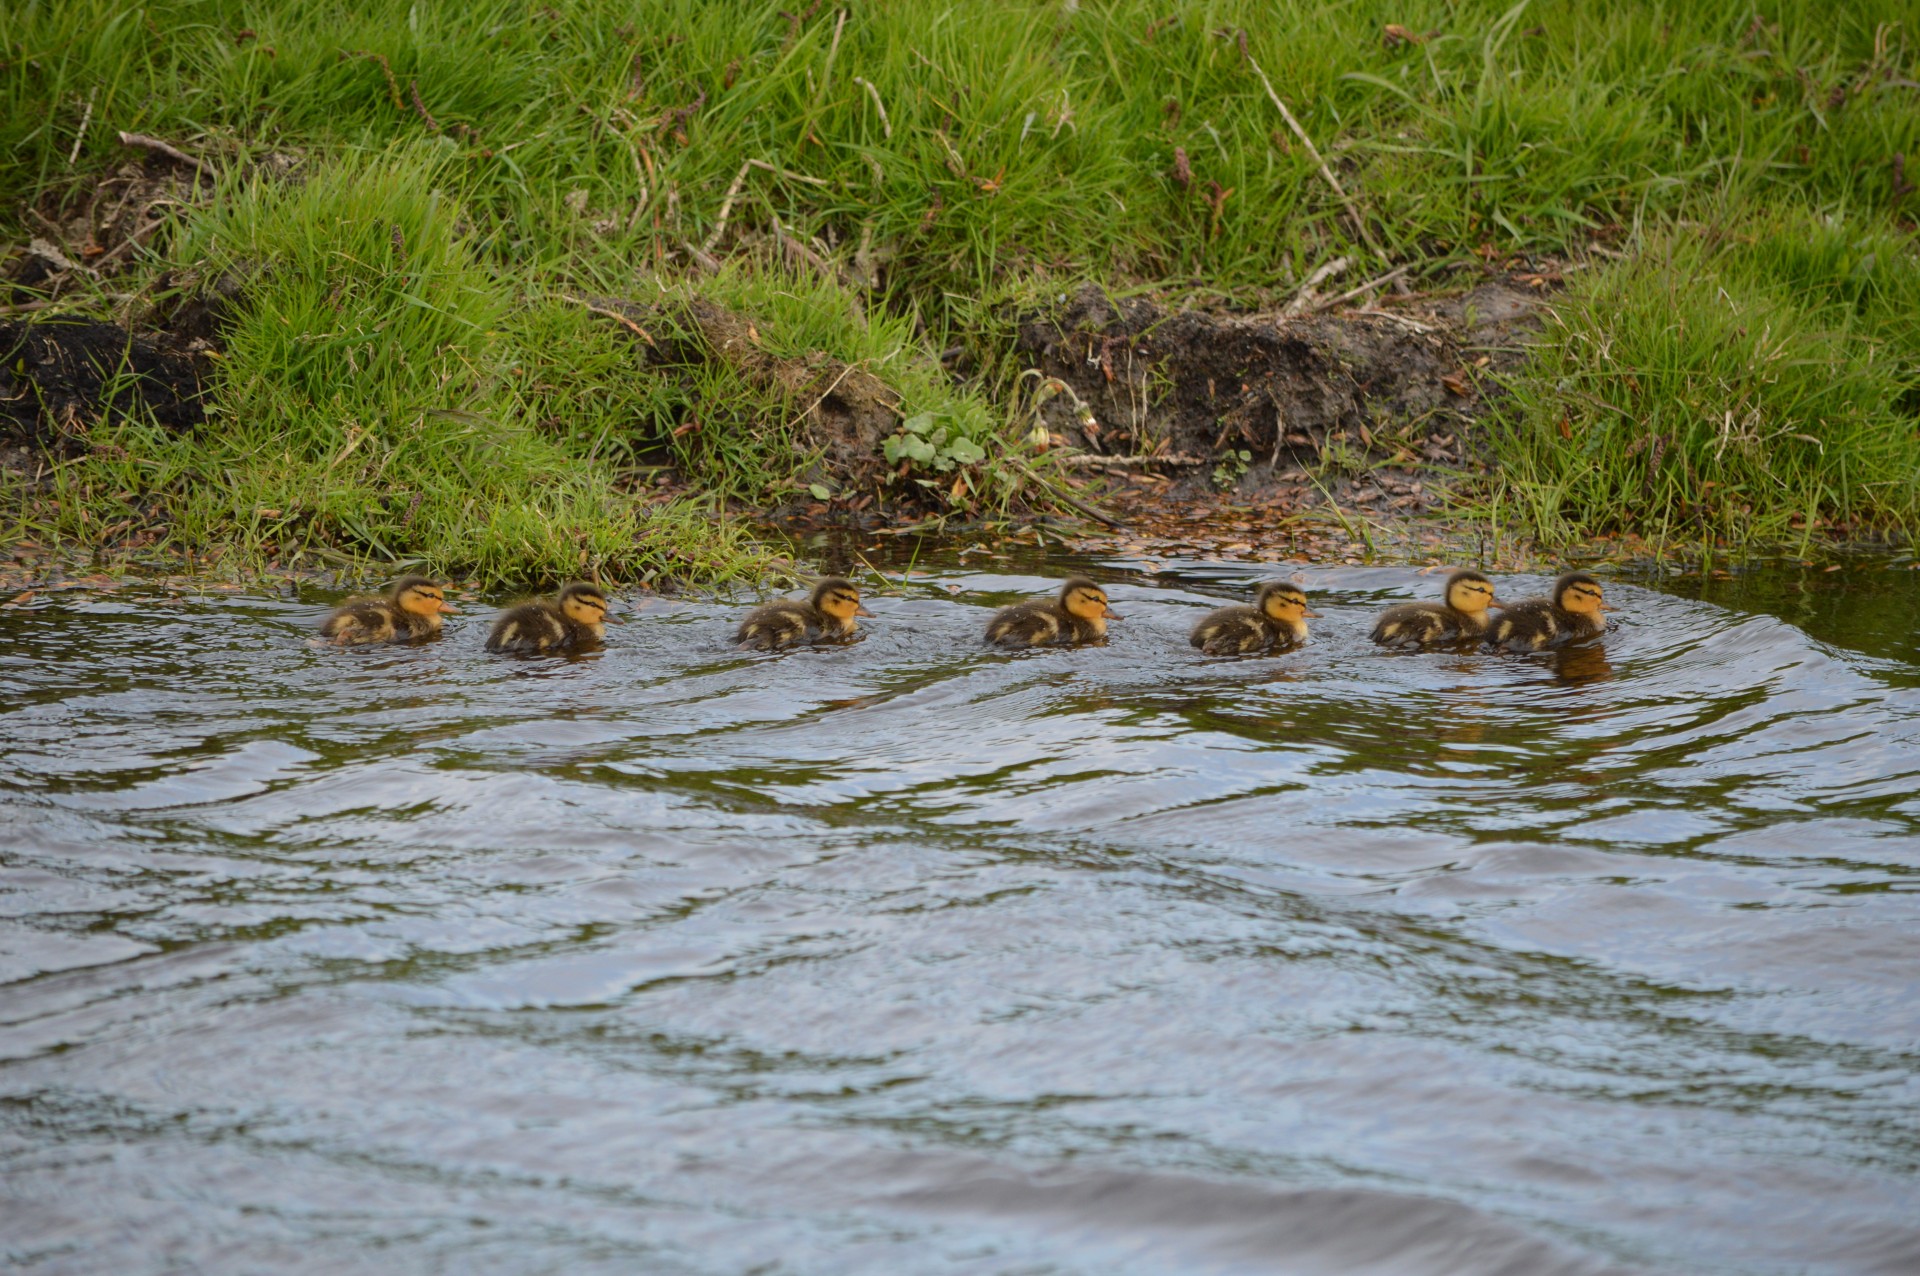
{"type": "Point", "coordinates": [1311, 615]}
{"type": "Point", "coordinates": [1111, 614]}
{"type": "Point", "coordinates": [608, 618]}
{"type": "Point", "coordinates": [1495, 602]}
{"type": "Point", "coordinates": [860, 609]}
{"type": "Point", "coordinates": [1603, 607]}
{"type": "Point", "coordinates": [449, 608]}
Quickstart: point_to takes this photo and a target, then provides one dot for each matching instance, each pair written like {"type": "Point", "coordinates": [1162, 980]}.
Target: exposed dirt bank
{"type": "Point", "coordinates": [1363, 406]}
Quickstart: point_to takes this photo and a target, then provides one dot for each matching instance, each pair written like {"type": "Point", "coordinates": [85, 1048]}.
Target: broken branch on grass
{"type": "Point", "coordinates": [1059, 492]}
{"type": "Point", "coordinates": [1366, 287]}
{"type": "Point", "coordinates": [1313, 153]}
{"type": "Point", "coordinates": [1302, 301]}
{"type": "Point", "coordinates": [142, 142]}
{"type": "Point", "coordinates": [614, 315]}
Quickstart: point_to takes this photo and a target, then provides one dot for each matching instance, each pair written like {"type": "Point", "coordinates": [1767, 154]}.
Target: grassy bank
{"type": "Point", "coordinates": [870, 184]}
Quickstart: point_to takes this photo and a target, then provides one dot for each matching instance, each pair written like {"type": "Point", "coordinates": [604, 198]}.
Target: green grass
{"type": "Point", "coordinates": [945, 158]}
{"type": "Point", "coordinates": [367, 402]}
{"type": "Point", "coordinates": [1757, 390]}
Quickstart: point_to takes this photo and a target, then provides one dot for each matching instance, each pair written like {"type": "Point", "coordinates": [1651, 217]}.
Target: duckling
{"type": "Point", "coordinates": [1573, 613]}
{"type": "Point", "coordinates": [575, 617]}
{"type": "Point", "coordinates": [1078, 614]}
{"type": "Point", "coordinates": [411, 609]}
{"type": "Point", "coordinates": [826, 615]}
{"type": "Point", "coordinates": [1277, 619]}
{"type": "Point", "coordinates": [1462, 615]}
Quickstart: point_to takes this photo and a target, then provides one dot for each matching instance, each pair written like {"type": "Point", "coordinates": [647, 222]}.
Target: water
{"type": "Point", "coordinates": [910, 957]}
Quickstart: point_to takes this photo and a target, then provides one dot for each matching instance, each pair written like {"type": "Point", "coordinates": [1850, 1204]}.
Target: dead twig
{"type": "Point", "coordinates": [791, 176]}
{"type": "Point", "coordinates": [141, 141]}
{"type": "Point", "coordinates": [1313, 153]}
{"type": "Point", "coordinates": [614, 315]}
{"type": "Point", "coordinates": [145, 229]}
{"type": "Point", "coordinates": [833, 51]}
{"type": "Point", "coordinates": [886, 125]}
{"type": "Point", "coordinates": [1071, 501]}
{"type": "Point", "coordinates": [1303, 300]}
{"type": "Point", "coordinates": [80, 138]}
{"type": "Point", "coordinates": [1398, 320]}
{"type": "Point", "coordinates": [1088, 461]}
{"type": "Point", "coordinates": [1366, 287]}
{"type": "Point", "coordinates": [726, 207]}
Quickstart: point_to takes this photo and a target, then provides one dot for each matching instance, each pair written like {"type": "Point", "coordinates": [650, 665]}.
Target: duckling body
{"type": "Point", "coordinates": [410, 610]}
{"type": "Point", "coordinates": [570, 620]}
{"type": "Point", "coordinates": [1277, 620]}
{"type": "Point", "coordinates": [826, 616]}
{"type": "Point", "coordinates": [1078, 614]}
{"type": "Point", "coordinates": [1463, 616]}
{"type": "Point", "coordinates": [1574, 612]}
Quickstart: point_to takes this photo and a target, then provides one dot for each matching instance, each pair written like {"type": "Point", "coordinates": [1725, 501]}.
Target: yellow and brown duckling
{"type": "Point", "coordinates": [574, 618]}
{"type": "Point", "coordinates": [1079, 613]}
{"type": "Point", "coordinates": [827, 615]}
{"type": "Point", "coordinates": [1573, 612]}
{"type": "Point", "coordinates": [1277, 620]}
{"type": "Point", "coordinates": [1461, 617]}
{"type": "Point", "coordinates": [410, 609]}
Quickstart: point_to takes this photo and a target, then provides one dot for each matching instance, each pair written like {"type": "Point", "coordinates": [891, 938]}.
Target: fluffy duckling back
{"type": "Point", "coordinates": [1461, 616]}
{"type": "Point", "coordinates": [1277, 619]}
{"type": "Point", "coordinates": [1079, 613]}
{"type": "Point", "coordinates": [576, 617]}
{"type": "Point", "coordinates": [1572, 613]}
{"type": "Point", "coordinates": [826, 615]}
{"type": "Point", "coordinates": [410, 609]}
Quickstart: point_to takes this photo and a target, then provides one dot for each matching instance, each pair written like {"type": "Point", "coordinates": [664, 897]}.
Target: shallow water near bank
{"type": "Point", "coordinates": [907, 956]}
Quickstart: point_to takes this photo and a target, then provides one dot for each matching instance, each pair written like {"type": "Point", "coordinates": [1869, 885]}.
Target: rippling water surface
{"type": "Point", "coordinates": [910, 957]}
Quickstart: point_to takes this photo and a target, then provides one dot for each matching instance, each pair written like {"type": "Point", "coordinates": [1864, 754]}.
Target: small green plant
{"type": "Point", "coordinates": [1232, 468]}
{"type": "Point", "coordinates": [925, 443]}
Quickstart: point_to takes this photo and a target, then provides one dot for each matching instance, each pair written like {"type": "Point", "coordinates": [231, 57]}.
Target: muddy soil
{"type": "Point", "coordinates": [1275, 407]}
{"type": "Point", "coordinates": [59, 375]}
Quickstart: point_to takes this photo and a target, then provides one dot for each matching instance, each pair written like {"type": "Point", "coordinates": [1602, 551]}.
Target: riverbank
{"type": "Point", "coordinates": [517, 295]}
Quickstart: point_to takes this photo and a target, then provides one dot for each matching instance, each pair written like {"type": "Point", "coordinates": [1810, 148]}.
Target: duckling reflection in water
{"type": "Point", "coordinates": [826, 616]}
{"type": "Point", "coordinates": [1461, 615]}
{"type": "Point", "coordinates": [410, 609]}
{"type": "Point", "coordinates": [1578, 666]}
{"type": "Point", "coordinates": [1573, 612]}
{"type": "Point", "coordinates": [1277, 620]}
{"type": "Point", "coordinates": [1078, 614]}
{"type": "Point", "coordinates": [571, 620]}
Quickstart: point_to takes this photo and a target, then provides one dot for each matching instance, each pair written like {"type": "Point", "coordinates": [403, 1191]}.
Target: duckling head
{"type": "Point", "coordinates": [1579, 593]}
{"type": "Point", "coordinates": [1471, 592]}
{"type": "Point", "coordinates": [585, 604]}
{"type": "Point", "coordinates": [1284, 602]}
{"type": "Point", "coordinates": [1081, 597]}
{"type": "Point", "coordinates": [838, 597]}
{"type": "Point", "coordinates": [420, 596]}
